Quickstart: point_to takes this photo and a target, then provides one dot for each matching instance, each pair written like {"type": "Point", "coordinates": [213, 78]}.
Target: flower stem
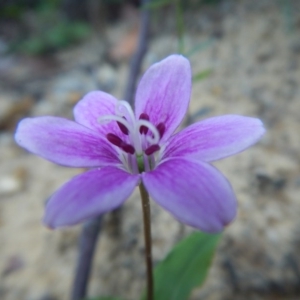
{"type": "Point", "coordinates": [147, 234]}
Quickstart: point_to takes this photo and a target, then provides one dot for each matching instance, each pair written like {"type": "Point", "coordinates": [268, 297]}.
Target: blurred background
{"type": "Point", "coordinates": [245, 56]}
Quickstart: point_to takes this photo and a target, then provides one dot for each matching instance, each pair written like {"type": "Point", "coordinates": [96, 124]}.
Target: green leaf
{"type": "Point", "coordinates": [202, 75]}
{"type": "Point", "coordinates": [185, 267]}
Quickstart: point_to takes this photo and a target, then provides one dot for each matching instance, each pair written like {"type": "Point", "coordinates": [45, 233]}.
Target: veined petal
{"type": "Point", "coordinates": [94, 105]}
{"type": "Point", "coordinates": [88, 195]}
{"type": "Point", "coordinates": [196, 193]}
{"type": "Point", "coordinates": [215, 138]}
{"type": "Point", "coordinates": [65, 142]}
{"type": "Point", "coordinates": [164, 93]}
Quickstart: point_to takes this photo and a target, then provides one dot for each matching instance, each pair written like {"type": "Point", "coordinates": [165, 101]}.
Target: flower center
{"type": "Point", "coordinates": [138, 140]}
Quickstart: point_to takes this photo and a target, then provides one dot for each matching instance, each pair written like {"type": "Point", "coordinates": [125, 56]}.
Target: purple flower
{"type": "Point", "coordinates": [124, 148]}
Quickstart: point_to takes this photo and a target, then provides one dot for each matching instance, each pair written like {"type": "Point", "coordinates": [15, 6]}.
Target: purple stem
{"type": "Point", "coordinates": [91, 229]}
{"type": "Point", "coordinates": [87, 245]}
{"type": "Point", "coordinates": [135, 65]}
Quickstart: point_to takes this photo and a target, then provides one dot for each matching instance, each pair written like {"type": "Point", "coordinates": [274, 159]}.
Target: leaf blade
{"type": "Point", "coordinates": [185, 267]}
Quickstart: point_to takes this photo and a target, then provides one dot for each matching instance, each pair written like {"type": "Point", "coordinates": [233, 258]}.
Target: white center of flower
{"type": "Point", "coordinates": [137, 141]}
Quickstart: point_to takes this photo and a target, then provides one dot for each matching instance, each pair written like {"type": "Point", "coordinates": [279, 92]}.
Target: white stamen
{"type": "Point", "coordinates": [120, 110]}
{"type": "Point", "coordinates": [108, 118]}
{"type": "Point", "coordinates": [152, 140]}
{"type": "Point", "coordinates": [125, 116]}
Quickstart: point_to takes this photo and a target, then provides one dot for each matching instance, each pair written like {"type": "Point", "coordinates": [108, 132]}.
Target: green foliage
{"type": "Point", "coordinates": [200, 47]}
{"type": "Point", "coordinates": [11, 11]}
{"type": "Point", "coordinates": [47, 5]}
{"type": "Point", "coordinates": [48, 29]}
{"type": "Point", "coordinates": [180, 6]}
{"type": "Point", "coordinates": [202, 75]}
{"type": "Point", "coordinates": [59, 35]}
{"type": "Point", "coordinates": [180, 26]}
{"type": "Point", "coordinates": [14, 9]}
{"type": "Point", "coordinates": [185, 267]}
{"type": "Point", "coordinates": [187, 4]}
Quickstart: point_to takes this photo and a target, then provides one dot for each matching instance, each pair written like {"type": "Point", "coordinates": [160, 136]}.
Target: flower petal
{"type": "Point", "coordinates": [65, 142]}
{"type": "Point", "coordinates": [215, 138]}
{"type": "Point", "coordinates": [94, 105]}
{"type": "Point", "coordinates": [196, 193]}
{"type": "Point", "coordinates": [164, 93]}
{"type": "Point", "coordinates": [88, 195]}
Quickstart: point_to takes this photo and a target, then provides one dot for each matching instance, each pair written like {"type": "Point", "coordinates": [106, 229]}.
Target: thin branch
{"type": "Point", "coordinates": [87, 244]}
{"type": "Point", "coordinates": [135, 65]}
{"type": "Point", "coordinates": [91, 229]}
{"type": "Point", "coordinates": [134, 71]}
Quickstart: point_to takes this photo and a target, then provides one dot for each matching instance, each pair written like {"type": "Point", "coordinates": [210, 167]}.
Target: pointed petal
{"type": "Point", "coordinates": [88, 195]}
{"type": "Point", "coordinates": [94, 105]}
{"type": "Point", "coordinates": [65, 142]}
{"type": "Point", "coordinates": [196, 193]}
{"type": "Point", "coordinates": [215, 138]}
{"type": "Point", "coordinates": [164, 93]}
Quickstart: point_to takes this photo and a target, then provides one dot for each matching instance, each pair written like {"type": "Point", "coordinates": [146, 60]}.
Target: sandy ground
{"type": "Point", "coordinates": [253, 51]}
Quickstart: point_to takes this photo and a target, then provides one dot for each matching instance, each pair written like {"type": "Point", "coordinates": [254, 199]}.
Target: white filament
{"type": "Point", "coordinates": [153, 129]}
{"type": "Point", "coordinates": [125, 116]}
{"type": "Point", "coordinates": [119, 110]}
{"type": "Point", "coordinates": [108, 118]}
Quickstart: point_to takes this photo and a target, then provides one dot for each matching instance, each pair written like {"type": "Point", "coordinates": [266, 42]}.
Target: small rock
{"type": "Point", "coordinates": [12, 111]}
{"type": "Point", "coordinates": [106, 76]}
{"type": "Point", "coordinates": [125, 47]}
{"type": "Point", "coordinates": [13, 264]}
{"type": "Point", "coordinates": [10, 184]}
{"type": "Point", "coordinates": [3, 46]}
{"type": "Point", "coordinates": [267, 183]}
{"type": "Point", "coordinates": [47, 297]}
{"type": "Point", "coordinates": [74, 97]}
